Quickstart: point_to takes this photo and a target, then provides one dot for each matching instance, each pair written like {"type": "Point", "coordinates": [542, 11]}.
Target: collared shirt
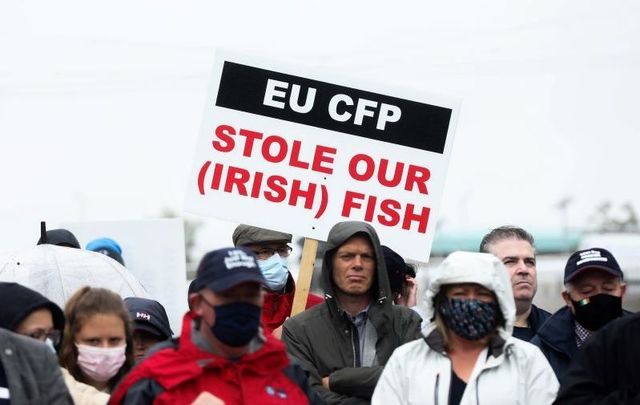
{"type": "Point", "coordinates": [367, 337]}
{"type": "Point", "coordinates": [582, 334]}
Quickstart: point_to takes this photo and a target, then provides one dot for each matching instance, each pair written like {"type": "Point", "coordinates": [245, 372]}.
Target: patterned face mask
{"type": "Point", "coordinates": [470, 319]}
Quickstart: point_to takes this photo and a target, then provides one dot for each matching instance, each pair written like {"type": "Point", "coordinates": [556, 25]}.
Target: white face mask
{"type": "Point", "coordinates": [99, 363]}
{"type": "Point", "coordinates": [275, 271]}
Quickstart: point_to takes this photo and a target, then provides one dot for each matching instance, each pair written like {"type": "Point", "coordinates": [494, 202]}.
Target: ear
{"type": "Point", "coordinates": [195, 303]}
{"type": "Point", "coordinates": [623, 289]}
{"type": "Point", "coordinates": [567, 299]}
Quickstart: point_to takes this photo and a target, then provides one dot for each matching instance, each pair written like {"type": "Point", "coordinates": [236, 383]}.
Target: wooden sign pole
{"type": "Point", "coordinates": [303, 284]}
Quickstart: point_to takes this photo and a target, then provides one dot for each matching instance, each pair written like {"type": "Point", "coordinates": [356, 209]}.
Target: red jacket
{"type": "Point", "coordinates": [177, 375]}
{"type": "Point", "coordinates": [277, 307]}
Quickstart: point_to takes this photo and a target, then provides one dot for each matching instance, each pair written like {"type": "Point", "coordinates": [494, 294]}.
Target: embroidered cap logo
{"type": "Point", "coordinates": [591, 256]}
{"type": "Point", "coordinates": [238, 258]}
{"type": "Point", "coordinates": [142, 315]}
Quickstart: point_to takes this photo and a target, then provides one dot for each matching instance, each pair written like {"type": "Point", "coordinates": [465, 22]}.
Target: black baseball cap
{"type": "Point", "coordinates": [149, 315]}
{"type": "Point", "coordinates": [222, 269]}
{"type": "Point", "coordinates": [593, 258]}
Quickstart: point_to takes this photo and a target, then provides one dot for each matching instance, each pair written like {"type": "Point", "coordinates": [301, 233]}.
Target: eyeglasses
{"type": "Point", "coordinates": [42, 335]}
{"type": "Point", "coordinates": [266, 252]}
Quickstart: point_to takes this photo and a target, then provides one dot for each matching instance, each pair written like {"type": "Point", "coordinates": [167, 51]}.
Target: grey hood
{"type": "Point", "coordinates": [338, 235]}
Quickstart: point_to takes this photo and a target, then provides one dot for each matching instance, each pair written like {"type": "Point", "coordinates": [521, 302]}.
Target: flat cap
{"type": "Point", "coordinates": [247, 235]}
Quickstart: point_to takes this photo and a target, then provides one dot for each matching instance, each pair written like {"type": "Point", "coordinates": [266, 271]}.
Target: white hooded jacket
{"type": "Point", "coordinates": [510, 371]}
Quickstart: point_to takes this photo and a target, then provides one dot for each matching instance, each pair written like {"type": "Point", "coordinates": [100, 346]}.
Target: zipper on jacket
{"type": "Point", "coordinates": [353, 348]}
{"type": "Point", "coordinates": [435, 393]}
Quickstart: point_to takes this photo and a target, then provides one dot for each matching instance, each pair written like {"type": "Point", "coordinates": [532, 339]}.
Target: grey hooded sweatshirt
{"type": "Point", "coordinates": [321, 338]}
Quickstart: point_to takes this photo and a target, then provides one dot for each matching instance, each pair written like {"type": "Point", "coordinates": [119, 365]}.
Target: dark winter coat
{"type": "Point", "coordinates": [321, 337]}
{"type": "Point", "coordinates": [605, 370]}
{"type": "Point", "coordinates": [557, 340]}
{"type": "Point", "coordinates": [537, 318]}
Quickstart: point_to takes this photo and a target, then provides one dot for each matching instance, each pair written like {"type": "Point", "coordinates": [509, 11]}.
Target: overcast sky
{"type": "Point", "coordinates": [101, 102]}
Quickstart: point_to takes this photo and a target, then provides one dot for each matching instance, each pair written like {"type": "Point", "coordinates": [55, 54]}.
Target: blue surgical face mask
{"type": "Point", "coordinates": [470, 319]}
{"type": "Point", "coordinates": [236, 323]}
{"type": "Point", "coordinates": [275, 272]}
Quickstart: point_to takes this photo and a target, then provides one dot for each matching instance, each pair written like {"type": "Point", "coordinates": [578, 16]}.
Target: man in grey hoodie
{"type": "Point", "coordinates": [345, 342]}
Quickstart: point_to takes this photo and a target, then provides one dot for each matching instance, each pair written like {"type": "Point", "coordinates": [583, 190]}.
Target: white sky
{"type": "Point", "coordinates": [101, 102]}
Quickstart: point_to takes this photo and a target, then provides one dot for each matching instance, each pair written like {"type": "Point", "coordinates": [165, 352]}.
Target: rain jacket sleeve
{"type": "Point", "coordinates": [301, 351]}
{"type": "Point", "coordinates": [540, 380]}
{"type": "Point", "coordinates": [390, 388]}
{"type": "Point", "coordinates": [355, 381]}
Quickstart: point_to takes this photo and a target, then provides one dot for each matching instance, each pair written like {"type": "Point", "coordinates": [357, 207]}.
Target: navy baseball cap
{"type": "Point", "coordinates": [593, 258]}
{"type": "Point", "coordinates": [222, 269]}
{"type": "Point", "coordinates": [149, 315]}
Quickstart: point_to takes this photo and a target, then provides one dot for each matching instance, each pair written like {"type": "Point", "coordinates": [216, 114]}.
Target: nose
{"type": "Point", "coordinates": [357, 262]}
{"type": "Point", "coordinates": [522, 267]}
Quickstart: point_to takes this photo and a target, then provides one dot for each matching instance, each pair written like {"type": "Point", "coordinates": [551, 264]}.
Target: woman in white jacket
{"type": "Point", "coordinates": [467, 355]}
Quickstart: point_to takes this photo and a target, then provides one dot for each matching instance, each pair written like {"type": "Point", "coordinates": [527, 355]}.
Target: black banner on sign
{"type": "Point", "coordinates": [337, 108]}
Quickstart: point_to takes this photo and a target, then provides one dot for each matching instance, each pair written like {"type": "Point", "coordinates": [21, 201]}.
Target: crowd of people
{"type": "Point", "coordinates": [473, 337]}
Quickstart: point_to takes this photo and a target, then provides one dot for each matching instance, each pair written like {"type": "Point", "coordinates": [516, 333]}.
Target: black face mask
{"type": "Point", "coordinates": [598, 310]}
{"type": "Point", "coordinates": [236, 323]}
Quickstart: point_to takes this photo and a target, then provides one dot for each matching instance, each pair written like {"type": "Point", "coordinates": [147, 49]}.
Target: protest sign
{"type": "Point", "coordinates": [295, 150]}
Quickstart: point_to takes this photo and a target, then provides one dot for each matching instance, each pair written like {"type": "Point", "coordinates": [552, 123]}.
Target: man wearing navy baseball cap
{"type": "Point", "coordinates": [594, 287]}
{"type": "Point", "coordinates": [222, 352]}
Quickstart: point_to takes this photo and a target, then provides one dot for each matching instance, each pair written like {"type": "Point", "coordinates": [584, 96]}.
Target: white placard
{"type": "Point", "coordinates": [298, 151]}
{"type": "Point", "coordinates": [153, 250]}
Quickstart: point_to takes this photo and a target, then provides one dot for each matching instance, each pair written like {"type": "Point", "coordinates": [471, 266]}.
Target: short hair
{"type": "Point", "coordinates": [84, 304]}
{"type": "Point", "coordinates": [505, 232]}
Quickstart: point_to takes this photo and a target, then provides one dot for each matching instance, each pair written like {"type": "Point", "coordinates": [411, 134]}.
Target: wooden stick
{"type": "Point", "coordinates": [303, 284]}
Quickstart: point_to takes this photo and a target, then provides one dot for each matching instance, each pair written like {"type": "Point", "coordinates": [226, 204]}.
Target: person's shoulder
{"type": "Point", "coordinates": [560, 323]}
{"type": "Point", "coordinates": [527, 352]}
{"type": "Point", "coordinates": [405, 314]}
{"type": "Point", "coordinates": [412, 350]}
{"type": "Point", "coordinates": [542, 313]}
{"type": "Point", "coordinates": [310, 314]}
{"type": "Point", "coordinates": [619, 327]}
{"type": "Point", "coordinates": [521, 346]}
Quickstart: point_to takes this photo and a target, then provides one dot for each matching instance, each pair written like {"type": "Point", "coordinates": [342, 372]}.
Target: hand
{"type": "Point", "coordinates": [207, 398]}
{"type": "Point", "coordinates": [325, 382]}
{"type": "Point", "coordinates": [409, 291]}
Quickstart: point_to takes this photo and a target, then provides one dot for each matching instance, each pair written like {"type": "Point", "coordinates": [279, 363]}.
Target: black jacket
{"type": "Point", "coordinates": [605, 370]}
{"type": "Point", "coordinates": [321, 337]}
{"type": "Point", "coordinates": [32, 371]}
{"type": "Point", "coordinates": [537, 317]}
{"type": "Point", "coordinates": [557, 340]}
